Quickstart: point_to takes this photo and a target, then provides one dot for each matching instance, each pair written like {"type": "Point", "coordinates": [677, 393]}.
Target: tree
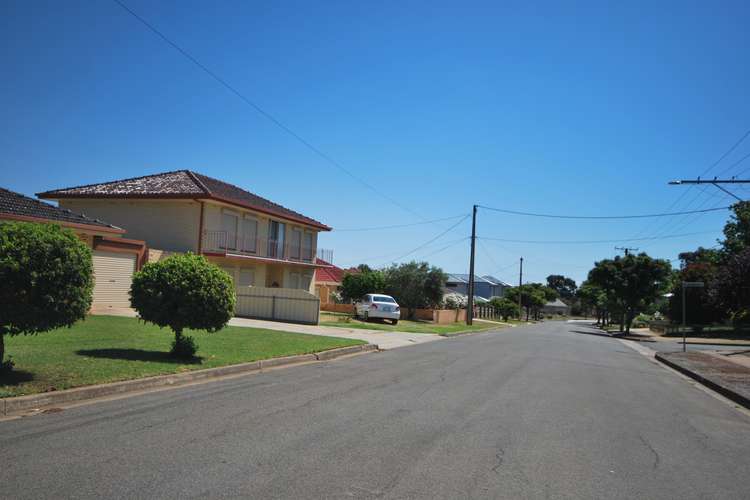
{"type": "Point", "coordinates": [700, 265]}
{"type": "Point", "coordinates": [505, 307]}
{"type": "Point", "coordinates": [533, 297]}
{"type": "Point", "coordinates": [183, 291]}
{"type": "Point", "coordinates": [565, 287]}
{"type": "Point", "coordinates": [415, 285]}
{"type": "Point", "coordinates": [737, 230]}
{"type": "Point", "coordinates": [630, 283]}
{"type": "Point", "coordinates": [355, 285]}
{"type": "Point", "coordinates": [730, 288]}
{"type": "Point", "coordinates": [46, 275]}
{"type": "Point", "coordinates": [593, 299]}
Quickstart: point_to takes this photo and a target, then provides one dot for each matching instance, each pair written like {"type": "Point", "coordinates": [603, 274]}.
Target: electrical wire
{"type": "Point", "coordinates": [396, 226]}
{"type": "Point", "coordinates": [583, 242]}
{"type": "Point", "coordinates": [443, 233]}
{"type": "Point", "coordinates": [601, 217]}
{"type": "Point", "coordinates": [263, 112]}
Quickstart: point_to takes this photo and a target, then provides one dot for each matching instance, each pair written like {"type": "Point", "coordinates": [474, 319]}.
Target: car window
{"type": "Point", "coordinates": [382, 298]}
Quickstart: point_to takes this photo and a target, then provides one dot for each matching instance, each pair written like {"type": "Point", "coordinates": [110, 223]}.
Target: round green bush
{"type": "Point", "coordinates": [183, 291]}
{"type": "Point", "coordinates": [46, 279]}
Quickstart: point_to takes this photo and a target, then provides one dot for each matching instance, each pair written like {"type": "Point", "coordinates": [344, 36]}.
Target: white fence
{"type": "Point", "coordinates": [278, 304]}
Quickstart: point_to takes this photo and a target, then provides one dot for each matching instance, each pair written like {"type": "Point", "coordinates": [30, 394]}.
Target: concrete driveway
{"type": "Point", "coordinates": [384, 340]}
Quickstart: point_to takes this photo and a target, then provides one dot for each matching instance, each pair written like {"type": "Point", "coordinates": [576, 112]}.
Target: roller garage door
{"type": "Point", "coordinates": [113, 272]}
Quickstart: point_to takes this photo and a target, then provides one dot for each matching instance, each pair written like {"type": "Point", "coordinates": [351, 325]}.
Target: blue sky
{"type": "Point", "coordinates": [577, 108]}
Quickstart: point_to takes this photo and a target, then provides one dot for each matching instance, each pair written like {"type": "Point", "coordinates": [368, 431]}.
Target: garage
{"type": "Point", "coordinates": [113, 273]}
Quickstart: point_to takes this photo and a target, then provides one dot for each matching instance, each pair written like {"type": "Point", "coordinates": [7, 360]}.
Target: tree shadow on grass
{"type": "Point", "coordinates": [15, 377]}
{"type": "Point", "coordinates": [139, 355]}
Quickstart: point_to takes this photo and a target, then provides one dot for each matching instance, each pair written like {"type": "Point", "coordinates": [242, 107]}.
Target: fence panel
{"type": "Point", "coordinates": [278, 304]}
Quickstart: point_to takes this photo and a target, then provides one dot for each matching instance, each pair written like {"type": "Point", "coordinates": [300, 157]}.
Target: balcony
{"type": "Point", "coordinates": [223, 243]}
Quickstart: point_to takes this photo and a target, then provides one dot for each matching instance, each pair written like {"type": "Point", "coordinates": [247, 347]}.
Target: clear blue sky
{"type": "Point", "coordinates": [582, 108]}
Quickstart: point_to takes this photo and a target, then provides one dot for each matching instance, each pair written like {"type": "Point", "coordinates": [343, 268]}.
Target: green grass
{"type": "Point", "coordinates": [406, 326]}
{"type": "Point", "coordinates": [109, 348]}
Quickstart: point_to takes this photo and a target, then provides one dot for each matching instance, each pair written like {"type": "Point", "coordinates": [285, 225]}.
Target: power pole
{"type": "Point", "coordinates": [627, 250]}
{"type": "Point", "coordinates": [520, 289]}
{"type": "Point", "coordinates": [470, 302]}
{"type": "Point", "coordinates": [716, 182]}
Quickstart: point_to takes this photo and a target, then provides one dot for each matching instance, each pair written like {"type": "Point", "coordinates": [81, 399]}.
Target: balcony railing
{"type": "Point", "coordinates": [223, 242]}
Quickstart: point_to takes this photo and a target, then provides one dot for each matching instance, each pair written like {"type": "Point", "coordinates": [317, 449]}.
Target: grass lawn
{"type": "Point", "coordinates": [110, 348]}
{"type": "Point", "coordinates": [404, 325]}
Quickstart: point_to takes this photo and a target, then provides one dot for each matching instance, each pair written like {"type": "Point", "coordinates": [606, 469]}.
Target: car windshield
{"type": "Point", "coordinates": [381, 298]}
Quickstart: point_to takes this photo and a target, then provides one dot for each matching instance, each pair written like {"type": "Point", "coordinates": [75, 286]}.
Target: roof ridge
{"type": "Point", "coordinates": [116, 181]}
{"type": "Point", "coordinates": [200, 184]}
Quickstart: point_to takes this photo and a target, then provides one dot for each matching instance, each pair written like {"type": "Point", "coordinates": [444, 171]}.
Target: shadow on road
{"type": "Point", "coordinates": [598, 334]}
{"type": "Point", "coordinates": [138, 355]}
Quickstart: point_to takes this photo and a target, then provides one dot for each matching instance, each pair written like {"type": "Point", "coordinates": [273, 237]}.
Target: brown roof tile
{"type": "Point", "coordinates": [181, 184]}
{"type": "Point", "coordinates": [18, 205]}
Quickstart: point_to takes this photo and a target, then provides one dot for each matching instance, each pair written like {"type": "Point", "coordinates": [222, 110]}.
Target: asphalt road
{"type": "Point", "coordinates": [529, 412]}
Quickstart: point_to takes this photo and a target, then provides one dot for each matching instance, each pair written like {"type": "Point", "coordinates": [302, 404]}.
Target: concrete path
{"type": "Point", "coordinates": [384, 340]}
{"type": "Point", "coordinates": [533, 412]}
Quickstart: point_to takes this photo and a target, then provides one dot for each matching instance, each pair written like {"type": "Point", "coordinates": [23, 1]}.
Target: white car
{"type": "Point", "coordinates": [375, 305]}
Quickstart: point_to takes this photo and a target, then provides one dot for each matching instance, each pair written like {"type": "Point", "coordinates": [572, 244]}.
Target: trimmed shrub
{"type": "Point", "coordinates": [47, 280]}
{"type": "Point", "coordinates": [183, 291]}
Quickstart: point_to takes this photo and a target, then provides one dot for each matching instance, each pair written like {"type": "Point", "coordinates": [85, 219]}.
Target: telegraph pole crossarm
{"type": "Point", "coordinates": [716, 182]}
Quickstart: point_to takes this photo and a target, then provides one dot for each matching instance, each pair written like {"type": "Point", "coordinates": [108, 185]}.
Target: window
{"type": "Point", "coordinates": [229, 228]}
{"type": "Point", "coordinates": [247, 277]}
{"type": "Point", "coordinates": [249, 234]}
{"type": "Point", "coordinates": [276, 232]}
{"type": "Point", "coordinates": [383, 298]}
{"type": "Point", "coordinates": [296, 243]}
{"type": "Point", "coordinates": [300, 281]}
{"type": "Point", "coordinates": [306, 281]}
{"type": "Point", "coordinates": [307, 246]}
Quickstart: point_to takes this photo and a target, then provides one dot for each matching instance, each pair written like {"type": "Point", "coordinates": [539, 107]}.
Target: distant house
{"type": "Point", "coordinates": [115, 258]}
{"type": "Point", "coordinates": [484, 286]}
{"type": "Point", "coordinates": [557, 306]}
{"type": "Point", "coordinates": [328, 280]}
{"type": "Point", "coordinates": [268, 250]}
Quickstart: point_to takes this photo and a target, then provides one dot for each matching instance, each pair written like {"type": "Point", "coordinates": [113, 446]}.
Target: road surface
{"type": "Point", "coordinates": [544, 411]}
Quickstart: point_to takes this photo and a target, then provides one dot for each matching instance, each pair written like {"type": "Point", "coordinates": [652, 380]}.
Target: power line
{"type": "Point", "coordinates": [581, 242]}
{"type": "Point", "coordinates": [396, 226]}
{"type": "Point", "coordinates": [382, 256]}
{"type": "Point", "coordinates": [262, 111]}
{"type": "Point", "coordinates": [443, 233]}
{"type": "Point", "coordinates": [602, 217]}
{"type": "Point", "coordinates": [661, 228]}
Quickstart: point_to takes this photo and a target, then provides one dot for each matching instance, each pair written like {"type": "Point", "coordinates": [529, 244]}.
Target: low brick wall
{"type": "Point", "coordinates": [339, 308]}
{"type": "Point", "coordinates": [439, 316]}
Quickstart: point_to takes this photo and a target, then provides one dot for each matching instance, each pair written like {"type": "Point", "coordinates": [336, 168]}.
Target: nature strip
{"type": "Point", "coordinates": [13, 405]}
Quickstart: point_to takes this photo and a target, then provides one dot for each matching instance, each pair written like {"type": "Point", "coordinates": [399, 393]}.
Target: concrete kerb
{"type": "Point", "coordinates": [10, 406]}
{"type": "Point", "coordinates": [723, 390]}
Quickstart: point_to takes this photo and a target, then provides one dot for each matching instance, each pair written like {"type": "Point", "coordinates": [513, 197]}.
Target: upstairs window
{"type": "Point", "coordinates": [229, 229]}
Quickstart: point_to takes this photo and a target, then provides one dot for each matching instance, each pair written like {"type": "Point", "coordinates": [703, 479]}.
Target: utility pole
{"type": "Point", "coordinates": [470, 302]}
{"type": "Point", "coordinates": [520, 289]}
{"type": "Point", "coordinates": [627, 250]}
{"type": "Point", "coordinates": [716, 182]}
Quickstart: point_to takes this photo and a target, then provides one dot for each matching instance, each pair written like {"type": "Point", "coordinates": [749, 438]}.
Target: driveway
{"type": "Point", "coordinates": [384, 340]}
{"type": "Point", "coordinates": [537, 412]}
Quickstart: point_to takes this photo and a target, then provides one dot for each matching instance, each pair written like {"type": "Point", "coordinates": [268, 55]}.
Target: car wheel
{"type": "Point", "coordinates": [367, 316]}
{"type": "Point", "coordinates": [394, 322]}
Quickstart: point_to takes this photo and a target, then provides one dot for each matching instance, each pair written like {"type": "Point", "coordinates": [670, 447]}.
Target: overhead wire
{"type": "Point", "coordinates": [288, 130]}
